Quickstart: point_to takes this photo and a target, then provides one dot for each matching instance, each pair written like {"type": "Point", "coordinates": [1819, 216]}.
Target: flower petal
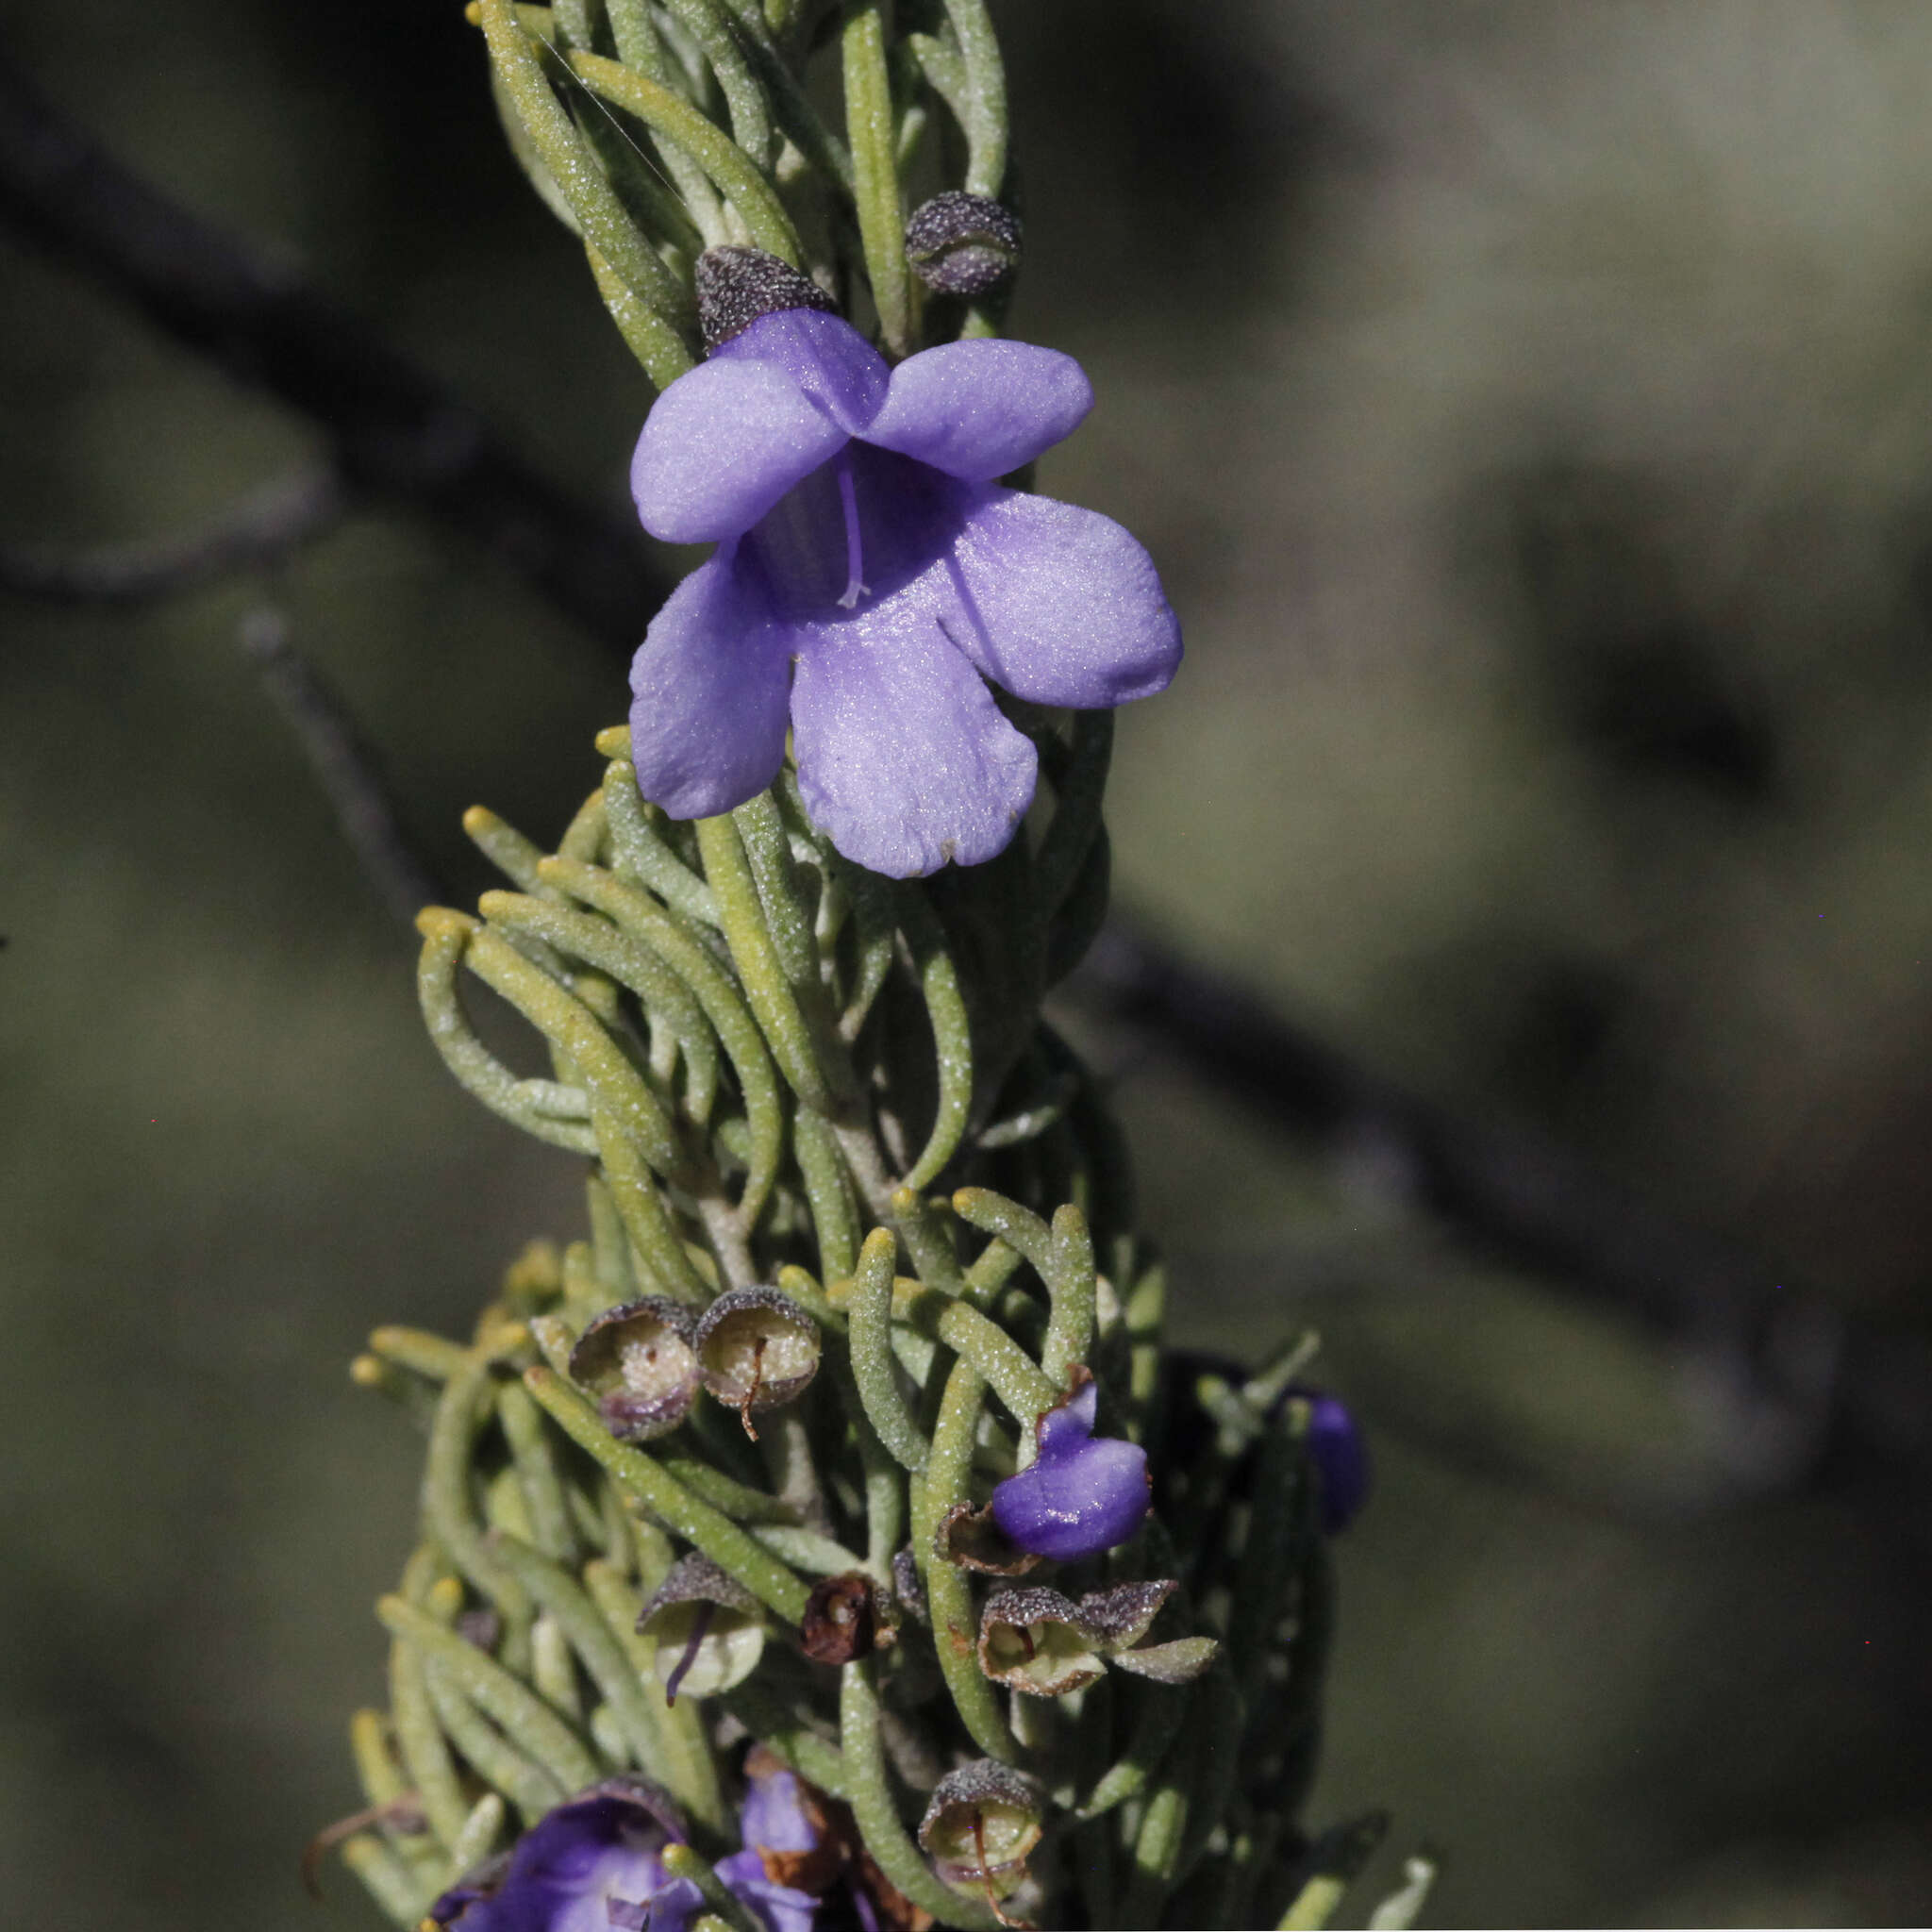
{"type": "Point", "coordinates": [902, 756]}
{"type": "Point", "coordinates": [1061, 1430]}
{"type": "Point", "coordinates": [778, 1908]}
{"type": "Point", "coordinates": [1077, 1505]}
{"type": "Point", "coordinates": [773, 1818]}
{"type": "Point", "coordinates": [722, 445]}
{"type": "Point", "coordinates": [568, 1868]}
{"type": "Point", "coordinates": [1080, 1496]}
{"type": "Point", "coordinates": [707, 726]}
{"type": "Point", "coordinates": [1061, 606]}
{"type": "Point", "coordinates": [825, 357]}
{"type": "Point", "coordinates": [978, 409]}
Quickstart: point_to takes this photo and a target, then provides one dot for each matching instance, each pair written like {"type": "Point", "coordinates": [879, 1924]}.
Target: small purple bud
{"type": "Point", "coordinates": [1340, 1458]}
{"type": "Point", "coordinates": [1080, 1496]}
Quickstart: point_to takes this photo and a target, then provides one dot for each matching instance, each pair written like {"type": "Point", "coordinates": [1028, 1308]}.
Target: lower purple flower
{"type": "Point", "coordinates": [588, 1866]}
{"type": "Point", "coordinates": [1080, 1497]}
{"type": "Point", "coordinates": [774, 1820]}
{"type": "Point", "coordinates": [596, 1864]}
{"type": "Point", "coordinates": [870, 576]}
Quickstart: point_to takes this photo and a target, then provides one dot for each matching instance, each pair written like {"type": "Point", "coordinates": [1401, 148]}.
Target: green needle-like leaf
{"type": "Point", "coordinates": [869, 129]}
{"type": "Point", "coordinates": [735, 173]}
{"type": "Point", "coordinates": [583, 184]}
{"type": "Point", "coordinates": [650, 1485]}
{"type": "Point", "coordinates": [870, 1313]}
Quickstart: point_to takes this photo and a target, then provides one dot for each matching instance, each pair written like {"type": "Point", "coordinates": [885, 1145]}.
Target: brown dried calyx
{"type": "Point", "coordinates": [972, 1539]}
{"type": "Point", "coordinates": [843, 1620]}
{"type": "Point", "coordinates": [841, 1853]}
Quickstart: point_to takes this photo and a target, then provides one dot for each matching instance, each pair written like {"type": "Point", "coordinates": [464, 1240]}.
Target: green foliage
{"type": "Point", "coordinates": [767, 1057]}
{"type": "Point", "coordinates": [656, 132]}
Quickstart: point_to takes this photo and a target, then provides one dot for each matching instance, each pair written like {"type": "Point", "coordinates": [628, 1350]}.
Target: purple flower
{"type": "Point", "coordinates": [870, 576]}
{"type": "Point", "coordinates": [588, 1866]}
{"type": "Point", "coordinates": [1080, 1497]}
{"type": "Point", "coordinates": [1340, 1458]}
{"type": "Point", "coordinates": [596, 1865]}
{"type": "Point", "coordinates": [773, 1820]}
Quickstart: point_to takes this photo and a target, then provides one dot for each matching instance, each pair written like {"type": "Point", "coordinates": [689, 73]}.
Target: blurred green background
{"type": "Point", "coordinates": [1530, 406]}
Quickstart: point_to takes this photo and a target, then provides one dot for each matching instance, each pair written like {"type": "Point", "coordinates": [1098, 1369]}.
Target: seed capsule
{"type": "Point", "coordinates": [1036, 1641]}
{"type": "Point", "coordinates": [639, 1363]}
{"type": "Point", "coordinates": [982, 1822]}
{"type": "Point", "coordinates": [709, 1628]}
{"type": "Point", "coordinates": [757, 1349]}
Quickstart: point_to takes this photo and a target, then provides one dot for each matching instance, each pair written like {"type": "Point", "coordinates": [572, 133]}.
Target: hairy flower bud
{"type": "Point", "coordinates": [908, 1587]}
{"type": "Point", "coordinates": [1118, 1618]}
{"type": "Point", "coordinates": [962, 244]}
{"type": "Point", "coordinates": [639, 1363]}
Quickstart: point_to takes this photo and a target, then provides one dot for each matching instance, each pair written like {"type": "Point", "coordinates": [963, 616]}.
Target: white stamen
{"type": "Point", "coordinates": [855, 556]}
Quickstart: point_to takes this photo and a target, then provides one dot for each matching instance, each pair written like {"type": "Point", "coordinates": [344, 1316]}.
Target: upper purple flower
{"type": "Point", "coordinates": [869, 574]}
{"type": "Point", "coordinates": [1080, 1497]}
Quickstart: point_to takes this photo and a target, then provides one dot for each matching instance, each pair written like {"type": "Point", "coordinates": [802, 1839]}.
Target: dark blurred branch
{"type": "Point", "coordinates": [343, 766]}
{"type": "Point", "coordinates": [1778, 1363]}
{"type": "Point", "coordinates": [395, 431]}
{"type": "Point", "coordinates": [1781, 1357]}
{"type": "Point", "coordinates": [266, 528]}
